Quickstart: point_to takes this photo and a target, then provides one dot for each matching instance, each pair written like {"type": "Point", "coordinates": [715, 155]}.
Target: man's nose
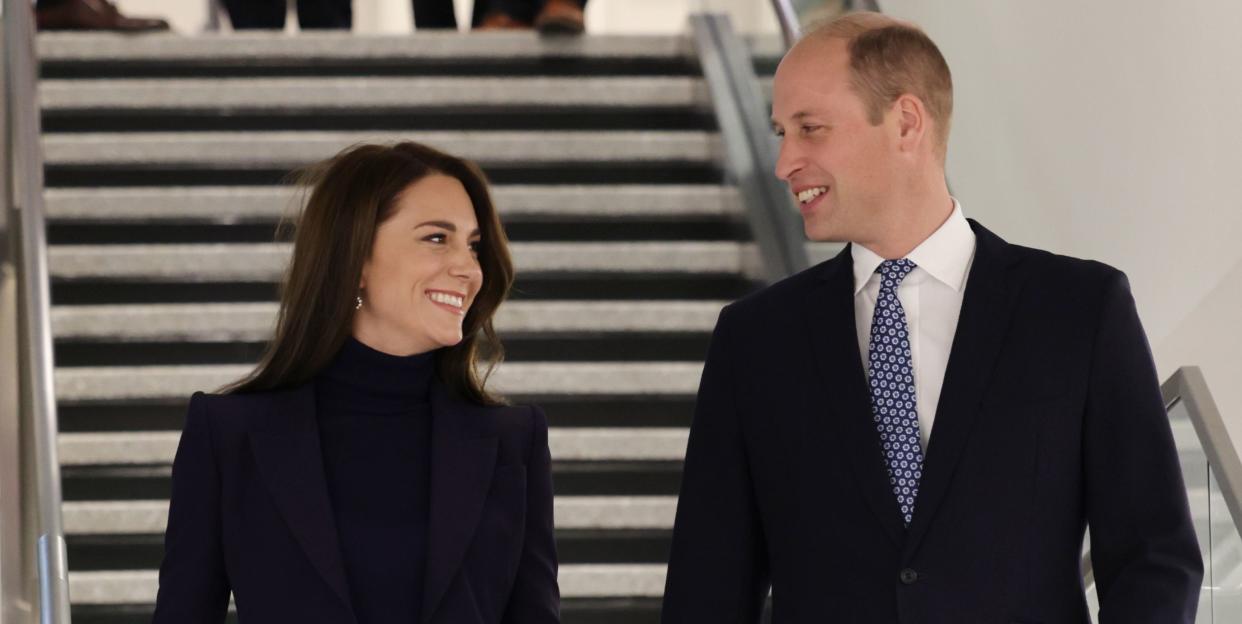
{"type": "Point", "coordinates": [788, 160]}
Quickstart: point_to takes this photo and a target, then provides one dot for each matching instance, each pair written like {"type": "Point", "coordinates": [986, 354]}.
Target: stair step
{"type": "Point", "coordinates": [578, 347]}
{"type": "Point", "coordinates": [168, 414]}
{"type": "Point", "coordinates": [569, 478]}
{"type": "Point", "coordinates": [408, 94]}
{"type": "Point", "coordinates": [590, 610]}
{"type": "Point", "coordinates": [660, 285]}
{"type": "Point", "coordinates": [254, 322]}
{"type": "Point", "coordinates": [121, 587]}
{"type": "Point", "coordinates": [259, 262]}
{"type": "Point", "coordinates": [573, 546]}
{"type": "Point", "coordinates": [135, 517]}
{"type": "Point", "coordinates": [268, 204]}
{"type": "Point", "coordinates": [288, 149]}
{"type": "Point", "coordinates": [573, 444]}
{"type": "Point", "coordinates": [123, 383]}
{"type": "Point", "coordinates": [310, 48]}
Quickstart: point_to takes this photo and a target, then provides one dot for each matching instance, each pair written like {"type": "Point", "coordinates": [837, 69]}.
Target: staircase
{"type": "Point", "coordinates": [165, 157]}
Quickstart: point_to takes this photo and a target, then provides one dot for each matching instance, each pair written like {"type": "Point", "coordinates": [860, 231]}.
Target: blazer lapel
{"type": "Point", "coordinates": [987, 308]}
{"type": "Point", "coordinates": [462, 463]}
{"type": "Point", "coordinates": [287, 451]}
{"type": "Point", "coordinates": [829, 314]}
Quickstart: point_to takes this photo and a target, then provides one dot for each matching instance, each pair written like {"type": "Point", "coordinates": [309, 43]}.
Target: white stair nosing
{"type": "Point", "coordinates": [566, 443]}
{"type": "Point", "coordinates": [254, 322]}
{"type": "Point", "coordinates": [266, 204]}
{"type": "Point", "coordinates": [590, 580]}
{"type": "Point", "coordinates": [150, 517]}
{"type": "Point", "coordinates": [174, 383]}
{"type": "Point", "coordinates": [359, 94]}
{"type": "Point", "coordinates": [247, 48]}
{"type": "Point", "coordinates": [267, 261]}
{"type": "Point", "coordinates": [290, 149]}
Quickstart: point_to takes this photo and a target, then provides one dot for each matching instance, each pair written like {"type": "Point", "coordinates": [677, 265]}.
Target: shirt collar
{"type": "Point", "coordinates": [945, 255]}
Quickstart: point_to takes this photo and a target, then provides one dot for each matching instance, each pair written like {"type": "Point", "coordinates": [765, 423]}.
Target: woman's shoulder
{"type": "Point", "coordinates": [517, 415]}
{"type": "Point", "coordinates": [241, 410]}
{"type": "Point", "coordinates": [516, 422]}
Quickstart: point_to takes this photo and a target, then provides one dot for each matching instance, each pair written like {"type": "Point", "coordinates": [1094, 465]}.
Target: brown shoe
{"type": "Point", "coordinates": [560, 17]}
{"type": "Point", "coordinates": [93, 15]}
{"type": "Point", "coordinates": [497, 20]}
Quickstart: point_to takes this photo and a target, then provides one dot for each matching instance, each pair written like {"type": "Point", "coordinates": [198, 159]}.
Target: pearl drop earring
{"type": "Point", "coordinates": [358, 305]}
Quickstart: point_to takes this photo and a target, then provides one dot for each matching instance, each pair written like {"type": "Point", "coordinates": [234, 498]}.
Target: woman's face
{"type": "Point", "coordinates": [423, 272]}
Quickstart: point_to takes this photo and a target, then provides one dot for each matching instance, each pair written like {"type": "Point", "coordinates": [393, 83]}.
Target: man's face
{"type": "Point", "coordinates": [838, 165]}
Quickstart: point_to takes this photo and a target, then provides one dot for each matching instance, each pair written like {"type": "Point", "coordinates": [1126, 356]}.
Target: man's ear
{"type": "Point", "coordinates": [912, 121]}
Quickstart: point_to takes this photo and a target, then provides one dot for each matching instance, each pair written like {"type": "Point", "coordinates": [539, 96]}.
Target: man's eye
{"type": "Point", "coordinates": [809, 129]}
{"type": "Point", "coordinates": [779, 133]}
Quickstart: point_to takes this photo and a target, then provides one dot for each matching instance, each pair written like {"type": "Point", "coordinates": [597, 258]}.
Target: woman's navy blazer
{"type": "Point", "coordinates": [250, 514]}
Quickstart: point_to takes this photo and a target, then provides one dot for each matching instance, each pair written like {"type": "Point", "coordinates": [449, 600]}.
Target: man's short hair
{"type": "Point", "coordinates": [890, 58]}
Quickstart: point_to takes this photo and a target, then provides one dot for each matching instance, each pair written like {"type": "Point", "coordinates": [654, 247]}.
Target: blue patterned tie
{"type": "Point", "coordinates": [891, 374]}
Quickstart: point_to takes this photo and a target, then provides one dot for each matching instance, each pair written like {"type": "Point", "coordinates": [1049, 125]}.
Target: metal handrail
{"type": "Point", "coordinates": [791, 28]}
{"type": "Point", "coordinates": [1188, 386]}
{"type": "Point", "coordinates": [41, 494]}
{"type": "Point", "coordinates": [742, 116]}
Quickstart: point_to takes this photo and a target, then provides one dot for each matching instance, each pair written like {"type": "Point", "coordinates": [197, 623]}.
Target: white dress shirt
{"type": "Point", "coordinates": [932, 298]}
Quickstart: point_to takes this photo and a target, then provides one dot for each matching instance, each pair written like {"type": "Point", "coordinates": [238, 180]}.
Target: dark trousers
{"type": "Point", "coordinates": [270, 14]}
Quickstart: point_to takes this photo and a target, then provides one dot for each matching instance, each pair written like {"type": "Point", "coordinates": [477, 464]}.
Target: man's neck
{"type": "Point", "coordinates": [921, 216]}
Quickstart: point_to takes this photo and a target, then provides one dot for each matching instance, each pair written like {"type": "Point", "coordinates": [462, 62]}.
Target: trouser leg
{"type": "Point", "coordinates": [319, 14]}
{"type": "Point", "coordinates": [251, 14]}
{"type": "Point", "coordinates": [435, 14]}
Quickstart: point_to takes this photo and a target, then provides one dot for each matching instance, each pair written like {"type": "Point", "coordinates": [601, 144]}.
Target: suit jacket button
{"type": "Point", "coordinates": [909, 577]}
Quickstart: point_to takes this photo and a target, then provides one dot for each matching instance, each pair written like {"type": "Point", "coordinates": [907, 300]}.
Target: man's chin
{"type": "Point", "coordinates": [819, 233]}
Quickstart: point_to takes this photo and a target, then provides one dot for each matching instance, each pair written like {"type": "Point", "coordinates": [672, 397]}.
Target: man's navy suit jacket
{"type": "Point", "coordinates": [251, 514]}
{"type": "Point", "coordinates": [1050, 421]}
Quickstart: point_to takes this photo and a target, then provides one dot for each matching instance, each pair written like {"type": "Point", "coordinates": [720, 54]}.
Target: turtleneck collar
{"type": "Point", "coordinates": [405, 378]}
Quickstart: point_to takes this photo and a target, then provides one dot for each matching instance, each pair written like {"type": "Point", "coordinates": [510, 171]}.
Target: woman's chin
{"type": "Point", "coordinates": [449, 340]}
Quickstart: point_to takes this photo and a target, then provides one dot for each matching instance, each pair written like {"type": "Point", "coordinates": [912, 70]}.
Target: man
{"type": "Point", "coordinates": [920, 429]}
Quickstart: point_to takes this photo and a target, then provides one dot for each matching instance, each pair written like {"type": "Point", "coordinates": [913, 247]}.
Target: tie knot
{"type": "Point", "coordinates": [895, 271]}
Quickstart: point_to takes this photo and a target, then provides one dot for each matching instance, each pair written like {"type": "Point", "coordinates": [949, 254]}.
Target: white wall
{"type": "Point", "coordinates": [1110, 130]}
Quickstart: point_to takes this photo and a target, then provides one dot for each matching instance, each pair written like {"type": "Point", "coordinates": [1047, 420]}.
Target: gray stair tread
{"type": "Point", "coordinates": [224, 204]}
{"type": "Point", "coordinates": [267, 261]}
{"type": "Point", "coordinates": [288, 149]}
{"type": "Point", "coordinates": [566, 443]}
{"type": "Point", "coordinates": [133, 517]}
{"type": "Point", "coordinates": [310, 47]}
{"type": "Point", "coordinates": [360, 94]}
{"type": "Point", "coordinates": [254, 322]}
{"type": "Point", "coordinates": [126, 587]}
{"type": "Point", "coordinates": [118, 383]}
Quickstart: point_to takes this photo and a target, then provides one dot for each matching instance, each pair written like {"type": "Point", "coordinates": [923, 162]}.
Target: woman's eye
{"type": "Point", "coordinates": [435, 238]}
{"type": "Point", "coordinates": [475, 247]}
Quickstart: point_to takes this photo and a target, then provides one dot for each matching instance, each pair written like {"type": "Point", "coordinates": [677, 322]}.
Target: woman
{"type": "Point", "coordinates": [362, 473]}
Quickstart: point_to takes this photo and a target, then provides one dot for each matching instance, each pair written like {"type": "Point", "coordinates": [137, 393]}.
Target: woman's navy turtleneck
{"type": "Point", "coordinates": [375, 429]}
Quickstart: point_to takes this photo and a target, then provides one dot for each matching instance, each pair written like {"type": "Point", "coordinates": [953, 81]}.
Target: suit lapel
{"type": "Point", "coordinates": [462, 463]}
{"type": "Point", "coordinates": [287, 451]}
{"type": "Point", "coordinates": [987, 308]}
{"type": "Point", "coordinates": [829, 314]}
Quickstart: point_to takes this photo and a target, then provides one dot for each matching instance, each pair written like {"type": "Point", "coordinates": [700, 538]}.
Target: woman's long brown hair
{"type": "Point", "coordinates": [352, 194]}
